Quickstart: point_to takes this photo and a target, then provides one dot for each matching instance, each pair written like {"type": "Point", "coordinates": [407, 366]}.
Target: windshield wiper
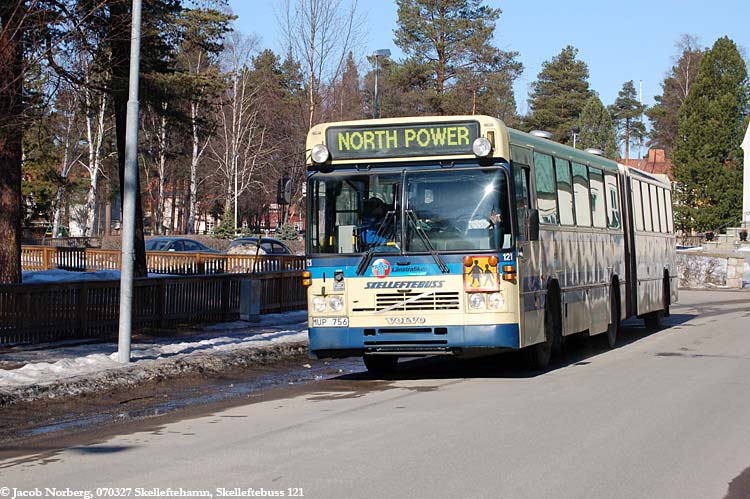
{"type": "Point", "coordinates": [387, 221]}
{"type": "Point", "coordinates": [412, 218]}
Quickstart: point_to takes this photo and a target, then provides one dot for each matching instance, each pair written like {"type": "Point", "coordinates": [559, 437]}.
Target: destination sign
{"type": "Point", "coordinates": [429, 139]}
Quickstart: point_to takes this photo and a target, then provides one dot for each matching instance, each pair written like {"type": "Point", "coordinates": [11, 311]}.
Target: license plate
{"type": "Point", "coordinates": [330, 322]}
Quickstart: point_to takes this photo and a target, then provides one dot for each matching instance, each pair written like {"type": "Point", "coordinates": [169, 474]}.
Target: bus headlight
{"type": "Point", "coordinates": [496, 300]}
{"type": "Point", "coordinates": [319, 304]}
{"type": "Point", "coordinates": [481, 147]}
{"type": "Point", "coordinates": [319, 153]}
{"type": "Point", "coordinates": [476, 301]}
{"type": "Point", "coordinates": [335, 303]}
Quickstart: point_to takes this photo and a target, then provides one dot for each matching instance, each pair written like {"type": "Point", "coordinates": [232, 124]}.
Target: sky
{"type": "Point", "coordinates": [619, 41]}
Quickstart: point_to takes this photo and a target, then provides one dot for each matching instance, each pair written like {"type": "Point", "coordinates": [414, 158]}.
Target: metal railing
{"type": "Point", "coordinates": [39, 313]}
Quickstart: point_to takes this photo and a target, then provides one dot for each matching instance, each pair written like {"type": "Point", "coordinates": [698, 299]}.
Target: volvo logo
{"type": "Point", "coordinates": [396, 321]}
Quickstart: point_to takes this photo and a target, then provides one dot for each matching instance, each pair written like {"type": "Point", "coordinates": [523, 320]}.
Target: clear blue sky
{"type": "Point", "coordinates": [619, 41]}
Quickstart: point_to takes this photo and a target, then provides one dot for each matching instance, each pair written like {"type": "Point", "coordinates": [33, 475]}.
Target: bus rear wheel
{"type": "Point", "coordinates": [380, 364]}
{"type": "Point", "coordinates": [654, 321]}
{"type": "Point", "coordinates": [614, 318]}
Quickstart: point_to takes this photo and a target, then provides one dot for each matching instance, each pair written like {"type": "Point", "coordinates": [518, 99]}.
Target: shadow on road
{"type": "Point", "coordinates": [577, 350]}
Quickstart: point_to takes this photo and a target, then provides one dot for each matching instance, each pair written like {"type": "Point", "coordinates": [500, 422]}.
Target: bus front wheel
{"type": "Point", "coordinates": [539, 355]}
{"type": "Point", "coordinates": [380, 364]}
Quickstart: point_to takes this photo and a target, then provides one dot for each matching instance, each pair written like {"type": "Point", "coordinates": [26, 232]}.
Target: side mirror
{"type": "Point", "coordinates": [532, 224]}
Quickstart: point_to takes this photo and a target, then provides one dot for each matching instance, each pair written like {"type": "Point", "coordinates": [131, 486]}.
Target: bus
{"type": "Point", "coordinates": [457, 235]}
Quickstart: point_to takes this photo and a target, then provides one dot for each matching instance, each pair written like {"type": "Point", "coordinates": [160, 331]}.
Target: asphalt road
{"type": "Point", "coordinates": [664, 415]}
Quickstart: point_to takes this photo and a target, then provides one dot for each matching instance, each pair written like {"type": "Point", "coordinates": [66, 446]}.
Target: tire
{"type": "Point", "coordinates": [539, 355]}
{"type": "Point", "coordinates": [614, 319]}
{"type": "Point", "coordinates": [654, 321]}
{"type": "Point", "coordinates": [380, 364]}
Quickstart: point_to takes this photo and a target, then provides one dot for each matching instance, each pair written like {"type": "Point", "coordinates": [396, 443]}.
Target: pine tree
{"type": "Point", "coordinates": [597, 128]}
{"type": "Point", "coordinates": [675, 89]}
{"type": "Point", "coordinates": [558, 95]}
{"type": "Point", "coordinates": [348, 99]}
{"type": "Point", "coordinates": [628, 114]}
{"type": "Point", "coordinates": [447, 43]}
{"type": "Point", "coordinates": [707, 158]}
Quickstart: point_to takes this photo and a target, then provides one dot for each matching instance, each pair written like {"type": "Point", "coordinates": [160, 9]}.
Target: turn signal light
{"type": "Point", "coordinates": [493, 261]}
{"type": "Point", "coordinates": [468, 261]}
{"type": "Point", "coordinates": [509, 269]}
{"type": "Point", "coordinates": [306, 281]}
{"type": "Point", "coordinates": [509, 276]}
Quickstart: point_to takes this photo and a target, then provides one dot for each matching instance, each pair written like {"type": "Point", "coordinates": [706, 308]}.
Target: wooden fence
{"type": "Point", "coordinates": [38, 313]}
{"type": "Point", "coordinates": [157, 262]}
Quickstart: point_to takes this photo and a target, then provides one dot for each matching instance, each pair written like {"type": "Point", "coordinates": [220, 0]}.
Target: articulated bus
{"type": "Point", "coordinates": [452, 235]}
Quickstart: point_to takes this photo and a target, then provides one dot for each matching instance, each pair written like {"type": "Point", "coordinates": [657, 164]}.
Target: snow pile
{"type": "Point", "coordinates": [87, 368]}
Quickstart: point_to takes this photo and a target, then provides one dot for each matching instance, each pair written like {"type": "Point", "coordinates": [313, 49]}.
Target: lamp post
{"type": "Point", "coordinates": [127, 254]}
{"type": "Point", "coordinates": [575, 131]}
{"type": "Point", "coordinates": [376, 54]}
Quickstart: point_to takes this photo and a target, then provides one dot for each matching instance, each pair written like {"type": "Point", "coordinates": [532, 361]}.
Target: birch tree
{"type": "Point", "coordinates": [204, 31]}
{"type": "Point", "coordinates": [69, 137]}
{"type": "Point", "coordinates": [239, 150]}
{"type": "Point", "coordinates": [320, 34]}
{"type": "Point", "coordinates": [95, 107]}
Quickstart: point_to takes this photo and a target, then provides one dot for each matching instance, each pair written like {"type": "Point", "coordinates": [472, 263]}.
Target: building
{"type": "Point", "coordinates": [656, 163]}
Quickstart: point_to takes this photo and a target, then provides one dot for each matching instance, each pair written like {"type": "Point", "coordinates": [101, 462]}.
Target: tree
{"type": "Point", "coordinates": [707, 158]}
{"type": "Point", "coordinates": [321, 33]}
{"type": "Point", "coordinates": [13, 23]}
{"type": "Point", "coordinates": [596, 128]}
{"type": "Point", "coordinates": [675, 89]}
{"type": "Point", "coordinates": [239, 150]}
{"type": "Point", "coordinates": [348, 99]}
{"type": "Point", "coordinates": [558, 95]}
{"type": "Point", "coordinates": [448, 45]}
{"type": "Point", "coordinates": [628, 114]}
{"type": "Point", "coordinates": [198, 59]}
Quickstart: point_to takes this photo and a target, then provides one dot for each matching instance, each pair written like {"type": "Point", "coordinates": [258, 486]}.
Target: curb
{"type": "Point", "coordinates": [163, 369]}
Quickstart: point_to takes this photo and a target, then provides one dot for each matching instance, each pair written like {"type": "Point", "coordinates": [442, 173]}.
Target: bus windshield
{"type": "Point", "coordinates": [464, 209]}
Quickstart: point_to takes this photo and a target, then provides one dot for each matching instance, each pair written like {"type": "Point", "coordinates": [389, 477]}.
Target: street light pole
{"type": "Point", "coordinates": [376, 54]}
{"type": "Point", "coordinates": [129, 190]}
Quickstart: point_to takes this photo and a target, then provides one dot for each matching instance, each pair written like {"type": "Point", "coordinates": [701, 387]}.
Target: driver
{"type": "Point", "coordinates": [496, 228]}
{"type": "Point", "coordinates": [373, 214]}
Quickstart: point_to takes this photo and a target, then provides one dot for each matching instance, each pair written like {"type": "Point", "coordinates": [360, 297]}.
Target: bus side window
{"type": "Point", "coordinates": [637, 204]}
{"type": "Point", "coordinates": [521, 183]}
{"type": "Point", "coordinates": [564, 191]}
{"type": "Point", "coordinates": [613, 201]}
{"type": "Point", "coordinates": [658, 212]}
{"type": "Point", "coordinates": [598, 208]}
{"type": "Point", "coordinates": [670, 221]}
{"type": "Point", "coordinates": [581, 195]}
{"type": "Point", "coordinates": [662, 210]}
{"type": "Point", "coordinates": [546, 193]}
{"type": "Point", "coordinates": [646, 207]}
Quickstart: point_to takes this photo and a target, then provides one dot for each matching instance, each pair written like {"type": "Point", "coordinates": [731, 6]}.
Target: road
{"type": "Point", "coordinates": [664, 415]}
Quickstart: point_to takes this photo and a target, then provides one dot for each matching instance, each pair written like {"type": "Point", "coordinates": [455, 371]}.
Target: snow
{"type": "Point", "coordinates": [57, 275]}
{"type": "Point", "coordinates": [67, 368]}
{"type": "Point", "coordinates": [60, 368]}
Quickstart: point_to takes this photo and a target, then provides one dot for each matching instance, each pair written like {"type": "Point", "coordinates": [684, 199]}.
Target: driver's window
{"type": "Point", "coordinates": [458, 211]}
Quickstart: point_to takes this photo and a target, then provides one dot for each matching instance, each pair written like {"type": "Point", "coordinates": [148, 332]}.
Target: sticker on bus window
{"type": "Point", "coordinates": [481, 275]}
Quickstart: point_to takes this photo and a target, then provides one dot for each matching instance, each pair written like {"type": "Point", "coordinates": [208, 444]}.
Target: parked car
{"type": "Point", "coordinates": [177, 244]}
{"type": "Point", "coordinates": [249, 246]}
